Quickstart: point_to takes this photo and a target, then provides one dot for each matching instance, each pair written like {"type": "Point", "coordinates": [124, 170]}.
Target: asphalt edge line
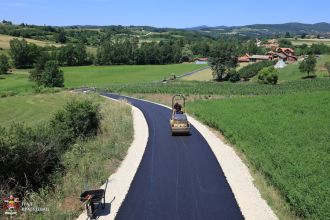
{"type": "Point", "coordinates": [248, 197]}
{"type": "Point", "coordinates": [120, 181]}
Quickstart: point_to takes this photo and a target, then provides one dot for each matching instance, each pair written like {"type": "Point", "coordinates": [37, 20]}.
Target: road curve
{"type": "Point", "coordinates": [178, 178]}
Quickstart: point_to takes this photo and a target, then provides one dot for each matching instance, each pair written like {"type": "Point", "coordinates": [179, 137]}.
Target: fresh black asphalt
{"type": "Point", "coordinates": [179, 177]}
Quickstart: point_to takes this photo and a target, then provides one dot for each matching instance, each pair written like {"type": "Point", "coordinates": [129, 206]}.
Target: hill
{"type": "Point", "coordinates": [293, 28]}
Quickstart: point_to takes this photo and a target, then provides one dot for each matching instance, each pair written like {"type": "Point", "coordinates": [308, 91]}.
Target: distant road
{"type": "Point", "coordinates": [193, 72]}
{"type": "Point", "coordinates": [179, 177]}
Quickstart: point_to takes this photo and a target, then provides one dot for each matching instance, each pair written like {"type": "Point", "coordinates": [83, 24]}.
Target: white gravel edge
{"type": "Point", "coordinates": [248, 197]}
{"type": "Point", "coordinates": [119, 182]}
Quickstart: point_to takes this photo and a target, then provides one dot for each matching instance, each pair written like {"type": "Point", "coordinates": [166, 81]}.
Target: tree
{"type": "Point", "coordinates": [36, 74]}
{"type": "Point", "coordinates": [23, 54]}
{"type": "Point", "coordinates": [308, 65]}
{"type": "Point", "coordinates": [4, 64]}
{"type": "Point", "coordinates": [61, 37]}
{"type": "Point", "coordinates": [186, 54]}
{"type": "Point", "coordinates": [285, 43]}
{"type": "Point", "coordinates": [268, 75]}
{"type": "Point", "coordinates": [287, 35]}
{"type": "Point", "coordinates": [327, 66]}
{"type": "Point", "coordinates": [52, 76]}
{"type": "Point", "coordinates": [223, 59]}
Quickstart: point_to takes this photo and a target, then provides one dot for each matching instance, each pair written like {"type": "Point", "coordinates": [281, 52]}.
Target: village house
{"type": "Point", "coordinates": [285, 54]}
{"type": "Point", "coordinates": [259, 58]}
{"type": "Point", "coordinates": [201, 61]}
{"type": "Point", "coordinates": [244, 59]}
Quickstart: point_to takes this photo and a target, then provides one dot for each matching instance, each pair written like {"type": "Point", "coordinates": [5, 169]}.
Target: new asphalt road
{"type": "Point", "coordinates": [179, 176]}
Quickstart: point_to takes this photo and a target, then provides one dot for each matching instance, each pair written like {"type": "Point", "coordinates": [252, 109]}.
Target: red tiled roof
{"type": "Point", "coordinates": [289, 49]}
{"type": "Point", "coordinates": [202, 59]}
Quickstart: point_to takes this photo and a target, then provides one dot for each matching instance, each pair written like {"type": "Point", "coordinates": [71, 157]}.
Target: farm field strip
{"type": "Point", "coordinates": [285, 138]}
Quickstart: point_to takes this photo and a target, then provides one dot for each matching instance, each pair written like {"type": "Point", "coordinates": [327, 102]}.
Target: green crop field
{"type": "Point", "coordinates": [31, 109]}
{"type": "Point", "coordinates": [286, 138]}
{"type": "Point", "coordinates": [224, 88]}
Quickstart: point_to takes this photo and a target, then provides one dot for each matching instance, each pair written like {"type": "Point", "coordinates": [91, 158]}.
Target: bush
{"type": "Point", "coordinates": [80, 118]}
{"type": "Point", "coordinates": [234, 76]}
{"type": "Point", "coordinates": [4, 64]}
{"type": "Point", "coordinates": [29, 156]}
{"type": "Point", "coordinates": [268, 75]}
{"type": "Point", "coordinates": [252, 70]}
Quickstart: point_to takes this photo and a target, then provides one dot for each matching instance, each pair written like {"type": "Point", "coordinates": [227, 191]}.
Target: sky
{"type": "Point", "coordinates": [163, 13]}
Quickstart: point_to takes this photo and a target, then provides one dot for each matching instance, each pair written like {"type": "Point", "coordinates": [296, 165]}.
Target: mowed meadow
{"type": "Point", "coordinates": [98, 76]}
{"type": "Point", "coordinates": [284, 137]}
{"type": "Point", "coordinates": [102, 76]}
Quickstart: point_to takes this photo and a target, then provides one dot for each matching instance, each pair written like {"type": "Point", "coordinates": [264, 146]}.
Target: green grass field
{"type": "Point", "coordinates": [286, 138]}
{"type": "Point", "coordinates": [291, 72]}
{"type": "Point", "coordinates": [31, 109]}
{"type": "Point", "coordinates": [101, 76]}
{"type": "Point", "coordinates": [206, 75]}
{"type": "Point", "coordinates": [15, 83]}
{"type": "Point", "coordinates": [97, 76]}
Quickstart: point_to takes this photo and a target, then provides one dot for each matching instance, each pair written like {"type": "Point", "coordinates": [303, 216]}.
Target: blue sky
{"type": "Point", "coordinates": [164, 13]}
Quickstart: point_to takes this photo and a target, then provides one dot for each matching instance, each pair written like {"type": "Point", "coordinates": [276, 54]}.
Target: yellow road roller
{"type": "Point", "coordinates": [179, 121]}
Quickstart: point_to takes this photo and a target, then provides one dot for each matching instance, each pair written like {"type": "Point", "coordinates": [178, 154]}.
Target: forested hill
{"type": "Point", "coordinates": [267, 29]}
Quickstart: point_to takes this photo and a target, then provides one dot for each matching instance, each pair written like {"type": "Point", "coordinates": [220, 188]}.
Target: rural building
{"type": "Point", "coordinates": [276, 56]}
{"type": "Point", "coordinates": [259, 58]}
{"type": "Point", "coordinates": [244, 59]}
{"type": "Point", "coordinates": [200, 61]}
{"type": "Point", "coordinates": [285, 54]}
{"type": "Point", "coordinates": [289, 53]}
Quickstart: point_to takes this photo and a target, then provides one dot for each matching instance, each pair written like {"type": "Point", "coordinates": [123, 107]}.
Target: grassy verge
{"type": "Point", "coordinates": [283, 137]}
{"type": "Point", "coordinates": [87, 164]}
